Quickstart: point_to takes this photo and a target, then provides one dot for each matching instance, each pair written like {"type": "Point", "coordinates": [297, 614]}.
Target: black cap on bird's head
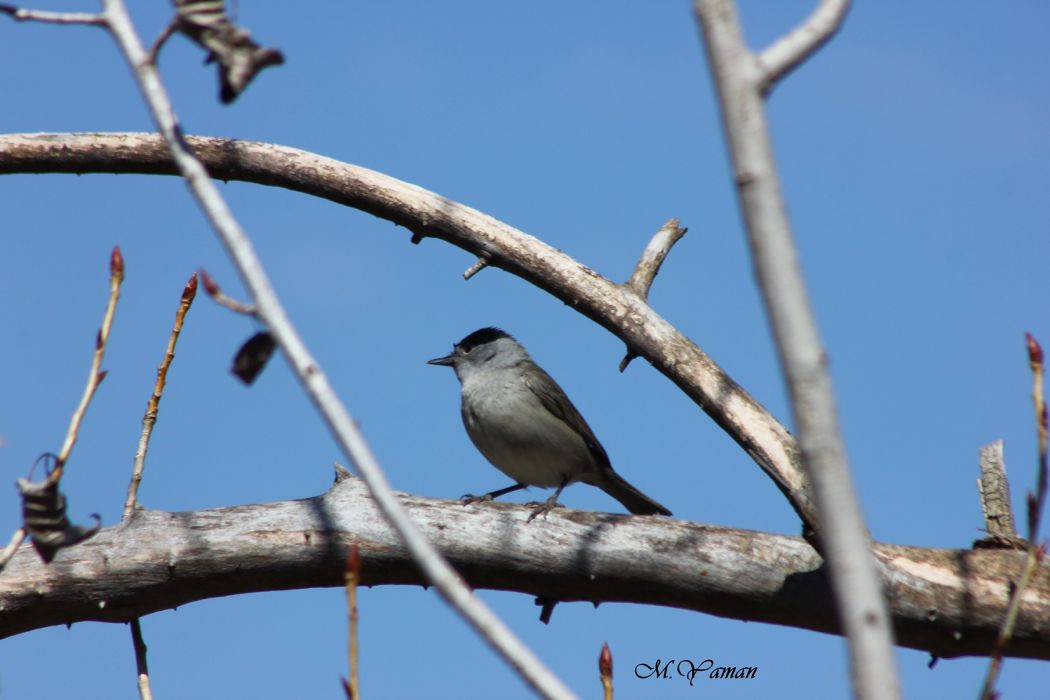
{"type": "Point", "coordinates": [481, 336]}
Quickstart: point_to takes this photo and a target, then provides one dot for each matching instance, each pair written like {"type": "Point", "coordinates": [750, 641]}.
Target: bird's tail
{"type": "Point", "coordinates": [632, 499]}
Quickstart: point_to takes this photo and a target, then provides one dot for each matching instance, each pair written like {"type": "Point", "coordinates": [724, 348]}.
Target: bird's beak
{"type": "Point", "coordinates": [447, 360]}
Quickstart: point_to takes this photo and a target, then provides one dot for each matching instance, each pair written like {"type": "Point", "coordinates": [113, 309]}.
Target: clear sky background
{"type": "Point", "coordinates": [914, 150]}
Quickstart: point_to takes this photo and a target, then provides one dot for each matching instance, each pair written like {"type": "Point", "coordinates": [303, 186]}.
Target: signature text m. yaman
{"type": "Point", "coordinates": [689, 669]}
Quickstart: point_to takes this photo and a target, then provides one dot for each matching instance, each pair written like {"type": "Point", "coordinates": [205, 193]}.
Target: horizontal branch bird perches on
{"type": "Point", "coordinates": [947, 602]}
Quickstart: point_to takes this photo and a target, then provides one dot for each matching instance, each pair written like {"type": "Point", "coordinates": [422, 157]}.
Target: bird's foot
{"type": "Point", "coordinates": [469, 498]}
{"type": "Point", "coordinates": [542, 508]}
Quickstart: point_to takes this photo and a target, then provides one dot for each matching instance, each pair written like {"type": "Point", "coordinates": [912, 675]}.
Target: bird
{"type": "Point", "coordinates": [525, 425]}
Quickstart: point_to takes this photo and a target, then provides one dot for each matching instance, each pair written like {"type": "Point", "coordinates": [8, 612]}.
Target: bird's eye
{"type": "Point", "coordinates": [466, 350]}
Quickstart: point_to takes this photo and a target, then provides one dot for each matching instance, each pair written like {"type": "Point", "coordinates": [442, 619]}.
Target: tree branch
{"type": "Point", "coordinates": [994, 490]}
{"type": "Point", "coordinates": [648, 267]}
{"type": "Point", "coordinates": [790, 50]}
{"type": "Point", "coordinates": [17, 538]}
{"type": "Point", "coordinates": [741, 83]}
{"type": "Point", "coordinates": [427, 214]}
{"type": "Point", "coordinates": [308, 371]}
{"type": "Point", "coordinates": [22, 14]}
{"type": "Point", "coordinates": [95, 374]}
{"type": "Point", "coordinates": [141, 660]}
{"type": "Point", "coordinates": [153, 405]}
{"type": "Point", "coordinates": [947, 602]}
{"type": "Point", "coordinates": [653, 257]}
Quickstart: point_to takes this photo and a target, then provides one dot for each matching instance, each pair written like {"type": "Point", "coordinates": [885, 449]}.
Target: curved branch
{"type": "Point", "coordinates": [787, 52]}
{"type": "Point", "coordinates": [425, 213]}
{"type": "Point", "coordinates": [947, 602]}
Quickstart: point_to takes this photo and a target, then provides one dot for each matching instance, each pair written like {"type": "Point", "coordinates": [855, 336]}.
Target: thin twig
{"type": "Point", "coordinates": [12, 547]}
{"type": "Point", "coordinates": [653, 257]}
{"type": "Point", "coordinates": [23, 15]}
{"type": "Point", "coordinates": [150, 417]}
{"type": "Point", "coordinates": [95, 376]}
{"type": "Point", "coordinates": [217, 295]}
{"type": "Point", "coordinates": [1036, 504]}
{"type": "Point", "coordinates": [995, 665]}
{"type": "Point", "coordinates": [353, 577]}
{"type": "Point", "coordinates": [309, 372]}
{"type": "Point", "coordinates": [145, 692]}
{"type": "Point", "coordinates": [789, 51]}
{"type": "Point", "coordinates": [474, 269]}
{"type": "Point", "coordinates": [547, 606]}
{"type": "Point", "coordinates": [841, 533]}
{"type": "Point", "coordinates": [162, 38]}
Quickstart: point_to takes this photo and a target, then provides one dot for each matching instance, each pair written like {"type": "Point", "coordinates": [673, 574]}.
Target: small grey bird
{"type": "Point", "coordinates": [525, 425]}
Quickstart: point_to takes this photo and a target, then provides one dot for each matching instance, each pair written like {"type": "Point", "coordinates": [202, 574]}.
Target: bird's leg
{"type": "Point", "coordinates": [471, 498]}
{"type": "Point", "coordinates": [548, 505]}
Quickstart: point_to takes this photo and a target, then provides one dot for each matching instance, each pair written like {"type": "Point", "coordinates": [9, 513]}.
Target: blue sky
{"type": "Point", "coordinates": [913, 151]}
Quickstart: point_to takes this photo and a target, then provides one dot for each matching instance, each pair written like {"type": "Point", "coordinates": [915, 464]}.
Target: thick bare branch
{"type": "Point", "coordinates": [948, 602]}
{"type": "Point", "coordinates": [843, 536]}
{"type": "Point", "coordinates": [425, 213]}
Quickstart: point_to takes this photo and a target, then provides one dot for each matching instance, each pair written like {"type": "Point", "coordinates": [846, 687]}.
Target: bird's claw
{"type": "Point", "coordinates": [469, 498]}
{"type": "Point", "coordinates": [542, 508]}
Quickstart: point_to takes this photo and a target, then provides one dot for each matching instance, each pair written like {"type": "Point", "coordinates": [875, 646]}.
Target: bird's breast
{"type": "Point", "coordinates": [517, 434]}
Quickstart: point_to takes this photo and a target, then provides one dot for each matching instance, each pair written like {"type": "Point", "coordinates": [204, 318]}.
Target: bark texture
{"type": "Point", "coordinates": [948, 602]}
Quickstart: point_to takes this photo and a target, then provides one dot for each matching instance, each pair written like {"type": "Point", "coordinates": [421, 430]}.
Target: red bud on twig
{"type": "Point", "coordinates": [190, 291]}
{"type": "Point", "coordinates": [1035, 351]}
{"type": "Point", "coordinates": [1033, 512]}
{"type": "Point", "coordinates": [606, 670]}
{"type": "Point", "coordinates": [116, 263]}
{"type": "Point", "coordinates": [210, 286]}
{"type": "Point", "coordinates": [605, 661]}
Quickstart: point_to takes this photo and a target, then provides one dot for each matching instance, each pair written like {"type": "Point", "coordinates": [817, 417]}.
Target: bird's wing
{"type": "Point", "coordinates": [546, 390]}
